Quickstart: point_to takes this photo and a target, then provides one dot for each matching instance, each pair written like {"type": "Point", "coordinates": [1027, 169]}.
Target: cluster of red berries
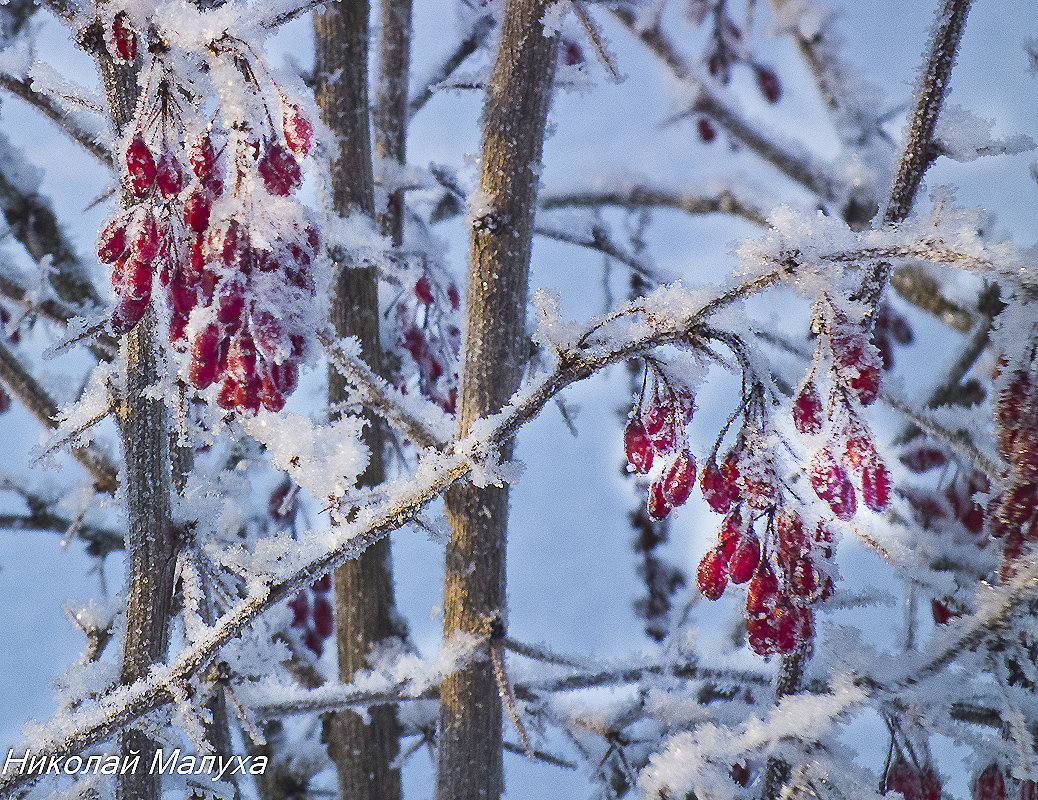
{"type": "Point", "coordinates": [1013, 512]}
{"type": "Point", "coordinates": [312, 613]}
{"type": "Point", "coordinates": [237, 278]}
{"type": "Point", "coordinates": [430, 337]}
{"type": "Point", "coordinates": [657, 428]}
{"type": "Point", "coordinates": [914, 782]}
{"type": "Point", "coordinates": [763, 543]}
{"type": "Point", "coordinates": [849, 450]}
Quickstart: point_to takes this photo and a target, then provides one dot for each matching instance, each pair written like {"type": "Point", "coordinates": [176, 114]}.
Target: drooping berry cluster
{"type": "Point", "coordinates": [848, 449]}
{"type": "Point", "coordinates": [312, 613]}
{"type": "Point", "coordinates": [657, 428]}
{"type": "Point", "coordinates": [1013, 512]}
{"type": "Point", "coordinates": [211, 215]}
{"type": "Point", "coordinates": [725, 49]}
{"type": "Point", "coordinates": [431, 338]}
{"type": "Point", "coordinates": [762, 542]}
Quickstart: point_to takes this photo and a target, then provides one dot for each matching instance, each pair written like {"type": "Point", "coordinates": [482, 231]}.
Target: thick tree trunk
{"type": "Point", "coordinates": [474, 589]}
{"type": "Point", "coordinates": [152, 541]}
{"type": "Point", "coordinates": [391, 112]}
{"type": "Point", "coordinates": [362, 752]}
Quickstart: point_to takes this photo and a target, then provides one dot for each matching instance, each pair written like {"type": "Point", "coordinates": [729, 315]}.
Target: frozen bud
{"type": "Point", "coordinates": [279, 170]}
{"type": "Point", "coordinates": [679, 476]}
{"type": "Point", "coordinates": [124, 38]}
{"type": "Point", "coordinates": [299, 131]}
{"type": "Point", "coordinates": [745, 558]}
{"type": "Point", "coordinates": [140, 166]}
{"type": "Point", "coordinates": [807, 410]}
{"type": "Point", "coordinates": [637, 446]}
{"type": "Point", "coordinates": [712, 574]}
{"type": "Point", "coordinates": [111, 241]}
{"type": "Point", "coordinates": [768, 83]}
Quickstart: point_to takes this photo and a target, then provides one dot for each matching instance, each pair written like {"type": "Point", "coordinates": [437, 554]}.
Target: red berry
{"type": "Point", "coordinates": [314, 641]}
{"type": "Point", "coordinates": [285, 376]}
{"type": "Point", "coordinates": [454, 297]}
{"type": "Point", "coordinates": [903, 777]}
{"type": "Point", "coordinates": [270, 395]}
{"type": "Point", "coordinates": [228, 391]}
{"type": "Point", "coordinates": [807, 410]}
{"type": "Point", "coordinates": [745, 558]}
{"type": "Point", "coordinates": [204, 357]}
{"type": "Point", "coordinates": [111, 241]}
{"type": "Point", "coordinates": [178, 332]}
{"type": "Point", "coordinates": [1013, 399]}
{"type": "Point", "coordinates": [859, 451]}
{"type": "Point", "coordinates": [761, 634]}
{"type": "Point", "coordinates": [279, 170]}
{"type": "Point", "coordinates": [169, 177]}
{"type": "Point", "coordinates": [300, 610]}
{"type": "Point", "coordinates": [762, 592]}
{"type": "Point", "coordinates": [197, 207]}
{"type": "Point", "coordinates": [637, 446]}
{"type": "Point", "coordinates": [679, 476]}
{"type": "Point", "coordinates": [322, 584]}
{"type": "Point", "coordinates": [241, 358]}
{"type": "Point", "coordinates": [712, 575]}
{"type": "Point", "coordinates": [124, 38]}
{"type": "Point", "coordinates": [299, 131]}
{"type": "Point", "coordinates": [805, 579]}
{"type": "Point", "coordinates": [705, 129]}
{"type": "Point", "coordinates": [788, 625]}
{"type": "Point", "coordinates": [140, 166]}
{"type": "Point", "coordinates": [137, 279]}
{"type": "Point", "coordinates": [323, 618]}
{"type": "Point", "coordinates": [659, 422]}
{"type": "Point", "coordinates": [128, 314]}
{"type": "Point", "coordinates": [658, 506]}
{"type": "Point", "coordinates": [203, 158]}
{"type": "Point", "coordinates": [789, 532]}
{"type": "Point", "coordinates": [230, 306]}
{"type": "Point", "coordinates": [731, 526]}
{"type": "Point", "coordinates": [247, 396]}
{"type": "Point", "coordinates": [875, 486]}
{"type": "Point", "coordinates": [716, 489]}
{"type": "Point", "coordinates": [768, 83]}
{"type": "Point", "coordinates": [423, 291]}
{"type": "Point", "coordinates": [145, 238]}
{"type": "Point", "coordinates": [989, 784]}
{"type": "Point", "coordinates": [830, 482]}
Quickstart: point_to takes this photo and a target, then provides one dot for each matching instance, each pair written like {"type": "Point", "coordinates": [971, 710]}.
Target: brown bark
{"type": "Point", "coordinates": [362, 752]}
{"type": "Point", "coordinates": [474, 589]}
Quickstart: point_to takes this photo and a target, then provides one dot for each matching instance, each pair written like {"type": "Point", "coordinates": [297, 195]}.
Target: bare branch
{"type": "Point", "coordinates": [473, 40]}
{"type": "Point", "coordinates": [35, 398]}
{"type": "Point", "coordinates": [101, 540]}
{"type": "Point", "coordinates": [724, 202]}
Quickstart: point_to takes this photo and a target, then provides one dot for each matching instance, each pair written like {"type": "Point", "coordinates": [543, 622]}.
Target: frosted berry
{"type": "Point", "coordinates": [323, 618]}
{"type": "Point", "coordinates": [903, 777]}
{"type": "Point", "coordinates": [679, 476]}
{"type": "Point", "coordinates": [127, 315]}
{"type": "Point", "coordinates": [658, 506]}
{"type": "Point", "coordinates": [807, 410]}
{"type": "Point", "coordinates": [875, 486]}
{"type": "Point", "coordinates": [923, 458]}
{"type": "Point", "coordinates": [300, 610]}
{"type": "Point", "coordinates": [124, 37]}
{"type": "Point", "coordinates": [705, 129]}
{"type": "Point", "coordinates": [658, 420]}
{"type": "Point", "coordinates": [716, 489]}
{"type": "Point", "coordinates": [423, 291]}
{"type": "Point", "coordinates": [712, 575]}
{"type": "Point", "coordinates": [279, 170]}
{"type": "Point", "coordinates": [169, 175]}
{"type": "Point", "coordinates": [241, 358]}
{"type": "Point", "coordinates": [145, 238]}
{"type": "Point", "coordinates": [197, 207]}
{"type": "Point", "coordinates": [762, 592]}
{"type": "Point", "coordinates": [745, 558]}
{"type": "Point", "coordinates": [789, 532]}
{"type": "Point", "coordinates": [830, 482]}
{"type": "Point", "coordinates": [637, 446]}
{"type": "Point", "coordinates": [989, 784]}
{"type": "Point", "coordinates": [111, 241]}
{"type": "Point", "coordinates": [299, 131]}
{"type": "Point", "coordinates": [768, 83]}
{"type": "Point", "coordinates": [204, 357]}
{"type": "Point", "coordinates": [140, 166]}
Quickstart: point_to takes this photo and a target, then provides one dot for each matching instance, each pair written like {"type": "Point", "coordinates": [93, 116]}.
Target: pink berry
{"type": "Point", "coordinates": [658, 506]}
{"type": "Point", "coordinates": [875, 486]}
{"type": "Point", "coordinates": [830, 482]}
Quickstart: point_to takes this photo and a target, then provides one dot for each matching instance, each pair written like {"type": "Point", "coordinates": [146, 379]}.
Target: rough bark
{"type": "Point", "coordinates": [362, 752]}
{"type": "Point", "coordinates": [474, 589]}
{"type": "Point", "coordinates": [391, 112]}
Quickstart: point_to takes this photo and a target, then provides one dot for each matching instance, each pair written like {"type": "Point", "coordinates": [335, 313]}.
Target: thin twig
{"type": "Point", "coordinates": [472, 41]}
{"type": "Point", "coordinates": [724, 202]}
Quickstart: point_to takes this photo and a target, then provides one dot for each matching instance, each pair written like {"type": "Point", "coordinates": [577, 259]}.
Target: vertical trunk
{"type": "Point", "coordinates": [391, 111]}
{"type": "Point", "coordinates": [362, 752]}
{"type": "Point", "coordinates": [474, 589]}
{"type": "Point", "coordinates": [151, 545]}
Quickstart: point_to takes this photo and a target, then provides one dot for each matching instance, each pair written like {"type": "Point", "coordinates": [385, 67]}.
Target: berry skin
{"type": "Point", "coordinates": [762, 592]}
{"type": "Point", "coordinates": [323, 617]}
{"type": "Point", "coordinates": [197, 207]}
{"type": "Point", "coordinates": [128, 314]}
{"type": "Point", "coordinates": [712, 574]}
{"type": "Point", "coordinates": [830, 482]}
{"type": "Point", "coordinates": [637, 446]}
{"type": "Point", "coordinates": [658, 506]}
{"type": "Point", "coordinates": [875, 486]}
{"type": "Point", "coordinates": [111, 241]}
{"type": "Point", "coordinates": [204, 357]}
{"type": "Point", "coordinates": [678, 478]}
{"type": "Point", "coordinates": [169, 175]}
{"type": "Point", "coordinates": [423, 291]}
{"type": "Point", "coordinates": [145, 240]}
{"type": "Point", "coordinates": [903, 777]}
{"type": "Point", "coordinates": [807, 410]}
{"type": "Point", "coordinates": [140, 167]}
{"type": "Point", "coordinates": [716, 490]}
{"type": "Point", "coordinates": [300, 610]}
{"type": "Point", "coordinates": [299, 131]}
{"type": "Point", "coordinates": [124, 38]}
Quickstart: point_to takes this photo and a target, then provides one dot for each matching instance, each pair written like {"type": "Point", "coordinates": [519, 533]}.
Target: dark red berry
{"type": "Point", "coordinates": [140, 166]}
{"type": "Point", "coordinates": [745, 558]}
{"type": "Point", "coordinates": [279, 170]}
{"type": "Point", "coordinates": [830, 482]}
{"type": "Point", "coordinates": [423, 291]}
{"type": "Point", "coordinates": [124, 37]}
{"type": "Point", "coordinates": [300, 610]}
{"type": "Point", "coordinates": [658, 506]}
{"type": "Point", "coordinates": [875, 486]}
{"type": "Point", "coordinates": [903, 777]}
{"type": "Point", "coordinates": [712, 575]}
{"type": "Point", "coordinates": [768, 83]}
{"type": "Point", "coordinates": [989, 784]}
{"type": "Point", "coordinates": [637, 446]}
{"type": "Point", "coordinates": [705, 129]}
{"type": "Point", "coordinates": [111, 241]}
{"type": "Point", "coordinates": [128, 314]}
{"type": "Point", "coordinates": [323, 617]}
{"type": "Point", "coordinates": [716, 489]}
{"type": "Point", "coordinates": [807, 410]}
{"type": "Point", "coordinates": [204, 357]}
{"type": "Point", "coordinates": [197, 207]}
{"type": "Point", "coordinates": [169, 177]}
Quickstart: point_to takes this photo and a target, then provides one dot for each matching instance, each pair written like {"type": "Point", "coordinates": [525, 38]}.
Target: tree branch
{"type": "Point", "coordinates": [477, 34]}
{"type": "Point", "coordinates": [724, 202]}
